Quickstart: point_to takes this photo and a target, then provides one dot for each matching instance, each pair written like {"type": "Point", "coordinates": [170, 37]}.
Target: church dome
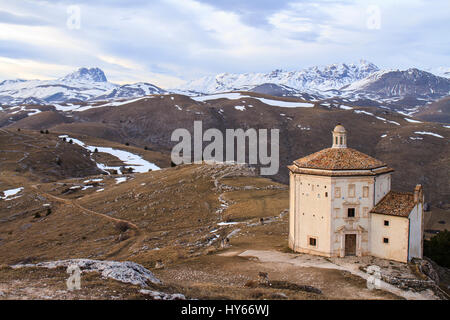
{"type": "Point", "coordinates": [339, 159]}
{"type": "Point", "coordinates": [339, 129]}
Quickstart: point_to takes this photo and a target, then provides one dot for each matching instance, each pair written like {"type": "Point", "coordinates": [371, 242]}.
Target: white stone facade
{"type": "Point", "coordinates": [330, 213]}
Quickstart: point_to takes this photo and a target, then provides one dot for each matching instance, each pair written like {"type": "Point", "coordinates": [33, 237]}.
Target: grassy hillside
{"type": "Point", "coordinates": [417, 157]}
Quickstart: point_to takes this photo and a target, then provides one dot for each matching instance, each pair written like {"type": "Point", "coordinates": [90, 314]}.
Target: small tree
{"type": "Point", "coordinates": [122, 226]}
{"type": "Point", "coordinates": [46, 131]}
{"type": "Point", "coordinates": [70, 141]}
{"type": "Point", "coordinates": [96, 150]}
{"type": "Point", "coordinates": [437, 248]}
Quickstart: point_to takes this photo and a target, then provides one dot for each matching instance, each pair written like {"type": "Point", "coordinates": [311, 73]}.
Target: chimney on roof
{"type": "Point", "coordinates": [418, 193]}
{"type": "Point", "coordinates": [339, 137]}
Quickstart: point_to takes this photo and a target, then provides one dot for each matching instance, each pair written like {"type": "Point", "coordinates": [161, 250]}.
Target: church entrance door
{"type": "Point", "coordinates": [350, 244]}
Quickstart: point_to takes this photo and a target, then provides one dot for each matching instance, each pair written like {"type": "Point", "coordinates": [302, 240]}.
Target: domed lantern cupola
{"type": "Point", "coordinates": [339, 137]}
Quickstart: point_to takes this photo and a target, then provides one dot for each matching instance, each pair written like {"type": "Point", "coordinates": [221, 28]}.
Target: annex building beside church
{"type": "Point", "coordinates": [341, 204]}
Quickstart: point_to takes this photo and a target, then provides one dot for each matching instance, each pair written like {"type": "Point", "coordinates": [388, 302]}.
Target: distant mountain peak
{"type": "Point", "coordinates": [333, 76]}
{"type": "Point", "coordinates": [86, 74]}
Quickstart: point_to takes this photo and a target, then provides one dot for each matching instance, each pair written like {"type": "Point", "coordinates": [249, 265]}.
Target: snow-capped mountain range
{"type": "Point", "coordinates": [362, 82]}
{"type": "Point", "coordinates": [396, 83]}
{"type": "Point", "coordinates": [82, 85]}
{"type": "Point", "coordinates": [316, 79]}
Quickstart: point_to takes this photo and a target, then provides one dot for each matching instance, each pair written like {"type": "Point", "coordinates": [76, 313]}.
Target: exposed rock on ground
{"type": "Point", "coordinates": [127, 272]}
{"type": "Point", "coordinates": [156, 295]}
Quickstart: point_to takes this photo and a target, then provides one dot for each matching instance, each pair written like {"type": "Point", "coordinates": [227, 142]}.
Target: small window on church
{"type": "Point", "coordinates": [386, 240]}
{"type": "Point", "coordinates": [326, 194]}
{"type": "Point", "coordinates": [366, 192]}
{"type": "Point", "coordinates": [337, 192]}
{"type": "Point", "coordinates": [365, 212]}
{"type": "Point", "coordinates": [312, 242]}
{"type": "Point", "coordinates": [351, 190]}
{"type": "Point", "coordinates": [386, 223]}
{"type": "Point", "coordinates": [341, 140]}
{"type": "Point", "coordinates": [351, 212]}
{"type": "Point", "coordinates": [336, 140]}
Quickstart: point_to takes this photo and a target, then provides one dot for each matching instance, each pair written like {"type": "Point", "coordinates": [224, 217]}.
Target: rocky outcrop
{"type": "Point", "coordinates": [156, 295]}
{"type": "Point", "coordinates": [430, 279]}
{"type": "Point", "coordinates": [426, 267]}
{"type": "Point", "coordinates": [127, 271]}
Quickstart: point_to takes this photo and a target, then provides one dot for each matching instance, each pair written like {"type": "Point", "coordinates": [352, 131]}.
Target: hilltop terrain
{"type": "Point", "coordinates": [304, 128]}
{"type": "Point", "coordinates": [93, 180]}
{"type": "Point", "coordinates": [194, 226]}
{"type": "Point", "coordinates": [205, 231]}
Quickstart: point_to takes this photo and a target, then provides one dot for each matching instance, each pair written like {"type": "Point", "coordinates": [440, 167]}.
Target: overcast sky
{"type": "Point", "coordinates": [166, 42]}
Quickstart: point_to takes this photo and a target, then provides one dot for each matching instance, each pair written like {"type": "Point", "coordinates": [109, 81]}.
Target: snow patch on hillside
{"type": "Point", "coordinates": [120, 180]}
{"type": "Point", "coordinates": [413, 121]}
{"type": "Point", "coordinates": [132, 160]}
{"type": "Point", "coordinates": [270, 102]}
{"type": "Point", "coordinates": [10, 193]}
{"type": "Point", "coordinates": [377, 117]}
{"type": "Point", "coordinates": [429, 134]}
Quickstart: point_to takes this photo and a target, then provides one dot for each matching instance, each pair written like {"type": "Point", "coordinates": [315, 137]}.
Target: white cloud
{"type": "Point", "coordinates": [165, 41]}
{"type": "Point", "coordinates": [30, 69]}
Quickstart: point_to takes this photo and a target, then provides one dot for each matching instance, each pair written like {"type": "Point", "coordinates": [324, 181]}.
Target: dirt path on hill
{"type": "Point", "coordinates": [137, 237]}
{"type": "Point", "coordinates": [77, 205]}
{"type": "Point", "coordinates": [301, 260]}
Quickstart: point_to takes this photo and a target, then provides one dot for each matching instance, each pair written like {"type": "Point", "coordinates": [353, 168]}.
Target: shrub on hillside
{"type": "Point", "coordinates": [122, 226]}
{"type": "Point", "coordinates": [438, 248]}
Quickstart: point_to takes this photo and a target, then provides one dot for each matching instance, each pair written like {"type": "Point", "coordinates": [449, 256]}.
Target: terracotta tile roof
{"type": "Point", "coordinates": [339, 159]}
{"type": "Point", "coordinates": [331, 173]}
{"type": "Point", "coordinates": [395, 204]}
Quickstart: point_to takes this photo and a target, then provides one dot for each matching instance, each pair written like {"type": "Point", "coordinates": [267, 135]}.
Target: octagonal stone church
{"type": "Point", "coordinates": [341, 204]}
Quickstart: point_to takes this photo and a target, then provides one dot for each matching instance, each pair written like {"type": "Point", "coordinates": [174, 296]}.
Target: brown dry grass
{"type": "Point", "coordinates": [174, 212]}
